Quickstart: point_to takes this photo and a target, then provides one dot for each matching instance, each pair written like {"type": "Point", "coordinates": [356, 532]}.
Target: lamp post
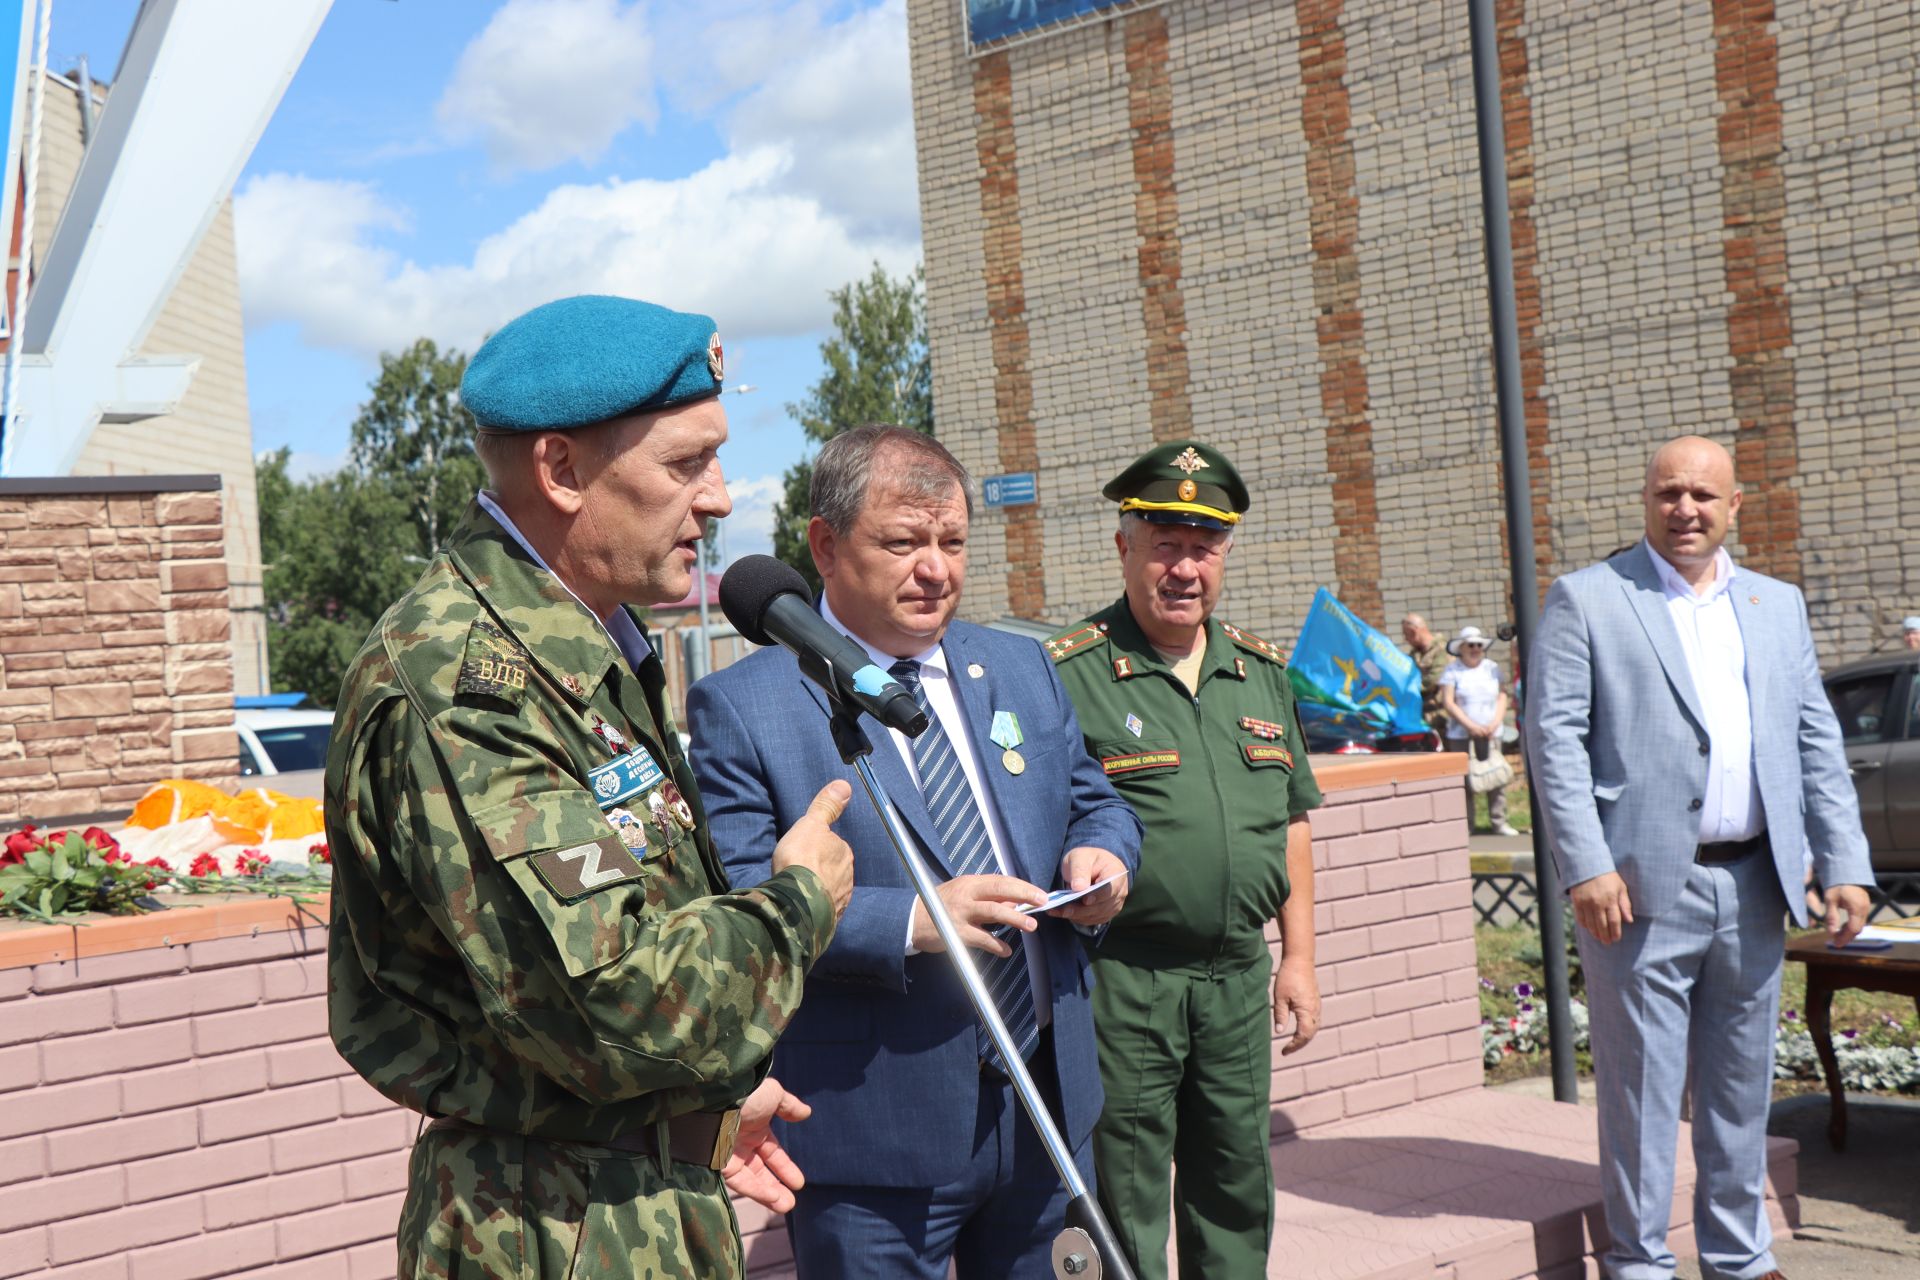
{"type": "Point", "coordinates": [1519, 495]}
{"type": "Point", "coordinates": [703, 661]}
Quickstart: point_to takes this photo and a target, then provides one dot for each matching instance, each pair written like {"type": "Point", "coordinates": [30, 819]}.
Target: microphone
{"type": "Point", "coordinates": [766, 601]}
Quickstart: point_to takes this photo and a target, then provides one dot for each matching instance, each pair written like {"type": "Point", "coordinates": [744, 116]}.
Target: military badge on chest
{"type": "Point", "coordinates": [1263, 728]}
{"type": "Point", "coordinates": [1006, 734]}
{"type": "Point", "coordinates": [625, 776]}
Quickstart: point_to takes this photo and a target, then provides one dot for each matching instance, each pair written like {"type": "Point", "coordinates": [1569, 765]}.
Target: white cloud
{"type": "Point", "coordinates": [843, 112]}
{"type": "Point", "coordinates": [750, 527]}
{"type": "Point", "coordinates": [731, 240]}
{"type": "Point", "coordinates": [817, 184]}
{"type": "Point", "coordinates": [303, 465]}
{"type": "Point", "coordinates": [548, 81]}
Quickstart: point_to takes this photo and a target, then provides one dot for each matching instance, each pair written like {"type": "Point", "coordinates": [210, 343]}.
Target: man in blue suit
{"type": "Point", "coordinates": [917, 1153]}
{"type": "Point", "coordinates": [1687, 762]}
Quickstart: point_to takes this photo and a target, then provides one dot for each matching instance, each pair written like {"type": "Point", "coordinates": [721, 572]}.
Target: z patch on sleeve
{"type": "Point", "coordinates": [494, 665]}
{"type": "Point", "coordinates": [585, 869]}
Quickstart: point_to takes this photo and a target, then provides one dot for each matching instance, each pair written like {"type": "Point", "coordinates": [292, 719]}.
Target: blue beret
{"type": "Point", "coordinates": [582, 360]}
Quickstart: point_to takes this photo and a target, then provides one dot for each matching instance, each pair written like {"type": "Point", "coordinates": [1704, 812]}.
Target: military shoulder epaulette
{"type": "Point", "coordinates": [1247, 640]}
{"type": "Point", "coordinates": [1068, 643]}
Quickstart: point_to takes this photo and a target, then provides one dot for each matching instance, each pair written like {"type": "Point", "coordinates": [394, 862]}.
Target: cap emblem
{"type": "Point", "coordinates": [1190, 462]}
{"type": "Point", "coordinates": [716, 359]}
{"type": "Point", "coordinates": [1188, 490]}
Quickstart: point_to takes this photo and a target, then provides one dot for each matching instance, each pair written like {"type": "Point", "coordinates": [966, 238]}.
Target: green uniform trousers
{"type": "Point", "coordinates": [1186, 1060]}
{"type": "Point", "coordinates": [501, 1207]}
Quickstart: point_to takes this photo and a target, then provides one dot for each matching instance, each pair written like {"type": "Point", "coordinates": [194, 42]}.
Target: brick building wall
{"type": "Point", "coordinates": [116, 666]}
{"type": "Point", "coordinates": [1261, 218]}
{"type": "Point", "coordinates": [171, 1107]}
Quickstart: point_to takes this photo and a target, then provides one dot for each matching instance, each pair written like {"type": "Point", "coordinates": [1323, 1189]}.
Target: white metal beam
{"type": "Point", "coordinates": [198, 82]}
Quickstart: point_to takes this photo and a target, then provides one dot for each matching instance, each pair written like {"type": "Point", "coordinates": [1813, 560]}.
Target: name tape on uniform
{"type": "Point", "coordinates": [1141, 760]}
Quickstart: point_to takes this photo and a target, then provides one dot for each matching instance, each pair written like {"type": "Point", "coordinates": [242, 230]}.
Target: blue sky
{"type": "Point", "coordinates": [439, 166]}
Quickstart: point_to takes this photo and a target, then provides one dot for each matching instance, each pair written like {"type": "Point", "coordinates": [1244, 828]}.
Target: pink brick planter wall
{"type": "Point", "coordinates": [171, 1107]}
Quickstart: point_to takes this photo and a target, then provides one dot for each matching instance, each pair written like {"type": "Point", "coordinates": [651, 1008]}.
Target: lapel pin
{"type": "Point", "coordinates": [975, 670]}
{"type": "Point", "coordinates": [1753, 599]}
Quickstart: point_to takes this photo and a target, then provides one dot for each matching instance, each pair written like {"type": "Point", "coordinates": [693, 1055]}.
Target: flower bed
{"type": "Point", "coordinates": [1876, 1038]}
{"type": "Point", "coordinates": [47, 876]}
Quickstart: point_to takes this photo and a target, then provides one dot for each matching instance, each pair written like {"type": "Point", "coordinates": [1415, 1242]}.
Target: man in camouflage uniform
{"type": "Point", "coordinates": [1193, 721]}
{"type": "Point", "coordinates": [1431, 657]}
{"type": "Point", "coordinates": [533, 942]}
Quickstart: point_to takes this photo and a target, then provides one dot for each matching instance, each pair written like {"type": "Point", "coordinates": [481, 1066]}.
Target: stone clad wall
{"type": "Point", "coordinates": [175, 1110]}
{"type": "Point", "coordinates": [115, 664]}
{"type": "Point", "coordinates": [1258, 221]}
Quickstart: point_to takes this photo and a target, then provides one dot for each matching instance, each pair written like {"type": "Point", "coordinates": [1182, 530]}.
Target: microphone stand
{"type": "Point", "coordinates": [1086, 1248]}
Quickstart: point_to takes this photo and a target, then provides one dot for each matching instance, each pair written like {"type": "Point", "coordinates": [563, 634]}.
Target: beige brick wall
{"type": "Point", "coordinates": [116, 666]}
{"type": "Point", "coordinates": [1852, 139]}
{"type": "Point", "coordinates": [212, 430]}
{"type": "Point", "coordinates": [1634, 221]}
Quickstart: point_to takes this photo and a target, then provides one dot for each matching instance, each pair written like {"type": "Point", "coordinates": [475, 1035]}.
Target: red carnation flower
{"type": "Point", "coordinates": [320, 853]}
{"type": "Point", "coordinates": [204, 865]}
{"type": "Point", "coordinates": [251, 862]}
{"type": "Point", "coordinates": [19, 845]}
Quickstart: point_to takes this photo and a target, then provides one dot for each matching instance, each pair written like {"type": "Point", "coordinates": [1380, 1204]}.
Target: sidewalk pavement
{"type": "Point", "coordinates": [1859, 1210]}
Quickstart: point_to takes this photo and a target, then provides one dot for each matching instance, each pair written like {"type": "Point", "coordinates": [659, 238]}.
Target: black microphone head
{"type": "Point", "coordinates": [752, 583]}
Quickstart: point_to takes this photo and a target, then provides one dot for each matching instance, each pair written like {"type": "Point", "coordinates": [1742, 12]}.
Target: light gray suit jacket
{"type": "Point", "coordinates": [1617, 742]}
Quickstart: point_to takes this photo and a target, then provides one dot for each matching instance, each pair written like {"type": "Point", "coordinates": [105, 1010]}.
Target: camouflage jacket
{"type": "Point", "coordinates": [1431, 664]}
{"type": "Point", "coordinates": [531, 931]}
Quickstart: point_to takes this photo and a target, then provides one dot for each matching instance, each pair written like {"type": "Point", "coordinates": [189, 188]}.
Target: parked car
{"type": "Point", "coordinates": [276, 740]}
{"type": "Point", "coordinates": [1877, 701]}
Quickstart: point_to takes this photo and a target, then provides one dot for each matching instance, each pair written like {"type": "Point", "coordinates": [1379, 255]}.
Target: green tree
{"type": "Point", "coordinates": [876, 370]}
{"type": "Point", "coordinates": [413, 434]}
{"type": "Point", "coordinates": [341, 548]}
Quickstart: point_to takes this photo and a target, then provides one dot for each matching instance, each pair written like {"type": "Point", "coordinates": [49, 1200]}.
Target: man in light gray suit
{"type": "Point", "coordinates": [1687, 761]}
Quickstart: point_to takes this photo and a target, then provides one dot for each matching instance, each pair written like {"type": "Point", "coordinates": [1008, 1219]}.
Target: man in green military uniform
{"type": "Point", "coordinates": [533, 941]}
{"type": "Point", "coordinates": [1193, 720]}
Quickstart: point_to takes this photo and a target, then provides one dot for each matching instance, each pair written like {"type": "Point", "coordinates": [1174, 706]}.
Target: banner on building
{"type": "Point", "coordinates": [991, 21]}
{"type": "Point", "coordinates": [16, 16]}
{"type": "Point", "coordinates": [1348, 671]}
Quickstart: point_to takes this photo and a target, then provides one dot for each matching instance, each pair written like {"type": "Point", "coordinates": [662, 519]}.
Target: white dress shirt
{"type": "Point", "coordinates": [621, 628]}
{"type": "Point", "coordinates": [1716, 653]}
{"type": "Point", "coordinates": [937, 680]}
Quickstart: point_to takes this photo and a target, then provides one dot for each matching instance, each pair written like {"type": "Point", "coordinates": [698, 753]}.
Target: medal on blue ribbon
{"type": "Point", "coordinates": [1006, 734]}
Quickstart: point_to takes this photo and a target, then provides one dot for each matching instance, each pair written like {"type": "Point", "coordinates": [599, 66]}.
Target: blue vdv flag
{"type": "Point", "coordinates": [1344, 670]}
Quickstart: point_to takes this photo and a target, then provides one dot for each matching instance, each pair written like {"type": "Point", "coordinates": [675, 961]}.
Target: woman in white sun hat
{"type": "Point", "coordinates": [1475, 699]}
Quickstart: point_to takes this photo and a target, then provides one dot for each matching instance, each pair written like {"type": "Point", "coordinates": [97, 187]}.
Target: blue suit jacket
{"type": "Point", "coordinates": [884, 1046]}
{"type": "Point", "coordinates": [1617, 740]}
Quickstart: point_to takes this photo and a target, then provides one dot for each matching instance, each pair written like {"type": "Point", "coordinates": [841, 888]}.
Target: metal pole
{"type": "Point", "coordinates": [85, 75]}
{"type": "Point", "coordinates": [1519, 495]}
{"type": "Point", "coordinates": [29, 197]}
{"type": "Point", "coordinates": [704, 663]}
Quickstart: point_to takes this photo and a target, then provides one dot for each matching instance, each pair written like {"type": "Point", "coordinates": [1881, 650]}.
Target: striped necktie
{"type": "Point", "coordinates": [963, 832]}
